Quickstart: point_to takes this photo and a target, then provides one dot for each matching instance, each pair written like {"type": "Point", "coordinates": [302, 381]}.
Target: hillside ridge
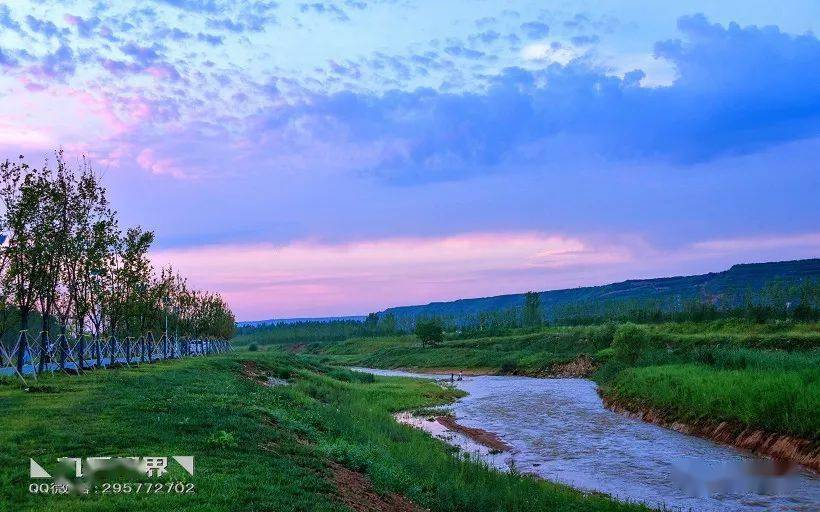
{"type": "Point", "coordinates": [708, 286]}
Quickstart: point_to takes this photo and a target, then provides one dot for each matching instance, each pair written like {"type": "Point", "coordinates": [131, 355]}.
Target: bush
{"type": "Point", "coordinates": [630, 342]}
{"type": "Point", "coordinates": [603, 335]}
{"type": "Point", "coordinates": [253, 347]}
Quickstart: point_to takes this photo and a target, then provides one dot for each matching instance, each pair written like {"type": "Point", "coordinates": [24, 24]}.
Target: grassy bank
{"type": "Point", "coordinates": [758, 375]}
{"type": "Point", "coordinates": [256, 447]}
{"type": "Point", "coordinates": [784, 402]}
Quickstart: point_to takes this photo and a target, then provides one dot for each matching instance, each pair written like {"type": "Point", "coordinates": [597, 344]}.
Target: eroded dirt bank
{"type": "Point", "coordinates": [581, 367]}
{"type": "Point", "coordinates": [786, 448]}
{"type": "Point", "coordinates": [356, 491]}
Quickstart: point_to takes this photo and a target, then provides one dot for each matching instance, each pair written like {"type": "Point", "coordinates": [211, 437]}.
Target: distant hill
{"type": "Point", "coordinates": [278, 321]}
{"type": "Point", "coordinates": [724, 287]}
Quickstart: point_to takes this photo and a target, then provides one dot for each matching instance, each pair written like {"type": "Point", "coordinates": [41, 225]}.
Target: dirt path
{"type": "Point", "coordinates": [356, 491]}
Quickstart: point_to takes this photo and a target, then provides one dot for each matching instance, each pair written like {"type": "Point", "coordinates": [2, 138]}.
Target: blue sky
{"type": "Point", "coordinates": [316, 158]}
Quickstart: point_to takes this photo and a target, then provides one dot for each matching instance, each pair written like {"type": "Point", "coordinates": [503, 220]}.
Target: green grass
{"type": "Point", "coordinates": [532, 352]}
{"type": "Point", "coordinates": [256, 448]}
{"type": "Point", "coordinates": [536, 352]}
{"type": "Point", "coordinates": [785, 401]}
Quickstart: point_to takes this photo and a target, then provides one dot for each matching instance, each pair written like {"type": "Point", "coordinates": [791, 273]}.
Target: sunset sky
{"type": "Point", "coordinates": [332, 158]}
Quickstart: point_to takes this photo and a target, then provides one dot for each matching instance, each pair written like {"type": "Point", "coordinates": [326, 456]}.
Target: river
{"type": "Point", "coordinates": [559, 430]}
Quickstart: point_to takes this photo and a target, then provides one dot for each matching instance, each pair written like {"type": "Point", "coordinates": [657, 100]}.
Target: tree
{"type": "Point", "coordinates": [92, 246]}
{"type": "Point", "coordinates": [429, 332]}
{"type": "Point", "coordinates": [371, 323]}
{"type": "Point", "coordinates": [134, 278]}
{"type": "Point", "coordinates": [388, 323]}
{"type": "Point", "coordinates": [630, 342]}
{"type": "Point", "coordinates": [22, 194]}
{"type": "Point", "coordinates": [532, 310]}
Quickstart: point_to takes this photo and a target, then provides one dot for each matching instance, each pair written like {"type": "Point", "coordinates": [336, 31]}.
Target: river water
{"type": "Point", "coordinates": [560, 431]}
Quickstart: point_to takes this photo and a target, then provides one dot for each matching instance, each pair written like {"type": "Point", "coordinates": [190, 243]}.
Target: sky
{"type": "Point", "coordinates": [333, 158]}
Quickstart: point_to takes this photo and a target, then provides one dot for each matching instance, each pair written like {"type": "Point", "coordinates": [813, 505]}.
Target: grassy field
{"type": "Point", "coordinates": [758, 375]}
{"type": "Point", "coordinates": [256, 447]}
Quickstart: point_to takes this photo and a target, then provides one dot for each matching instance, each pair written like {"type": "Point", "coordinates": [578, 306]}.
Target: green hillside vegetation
{"type": "Point", "coordinates": [256, 447]}
{"type": "Point", "coordinates": [769, 286]}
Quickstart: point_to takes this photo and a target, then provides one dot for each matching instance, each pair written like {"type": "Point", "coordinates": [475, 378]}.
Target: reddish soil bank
{"type": "Point", "coordinates": [488, 439]}
{"type": "Point", "coordinates": [790, 449]}
{"type": "Point", "coordinates": [356, 491]}
{"type": "Point", "coordinates": [252, 372]}
{"type": "Point", "coordinates": [581, 366]}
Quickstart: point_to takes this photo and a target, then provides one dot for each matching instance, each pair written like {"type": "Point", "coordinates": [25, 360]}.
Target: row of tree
{"type": "Point", "coordinates": [66, 263]}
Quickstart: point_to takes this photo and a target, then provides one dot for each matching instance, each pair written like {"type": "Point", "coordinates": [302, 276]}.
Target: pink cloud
{"type": "Point", "coordinates": [310, 278]}
{"type": "Point", "coordinates": [148, 160]}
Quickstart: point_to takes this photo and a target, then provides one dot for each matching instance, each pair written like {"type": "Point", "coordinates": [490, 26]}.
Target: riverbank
{"type": "Point", "coordinates": [758, 378]}
{"type": "Point", "coordinates": [768, 407]}
{"type": "Point", "coordinates": [269, 431]}
{"type": "Point", "coordinates": [559, 429]}
{"type": "Point", "coordinates": [582, 366]}
{"type": "Point", "coordinates": [786, 448]}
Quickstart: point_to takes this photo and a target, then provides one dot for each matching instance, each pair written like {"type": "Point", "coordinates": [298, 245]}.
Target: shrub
{"type": "Point", "coordinates": [630, 342]}
{"type": "Point", "coordinates": [603, 335]}
{"type": "Point", "coordinates": [253, 347]}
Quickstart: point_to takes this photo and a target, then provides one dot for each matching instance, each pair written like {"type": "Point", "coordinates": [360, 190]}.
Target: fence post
{"type": "Point", "coordinates": [142, 349]}
{"type": "Point", "coordinates": [63, 342]}
{"type": "Point", "coordinates": [128, 350]}
{"type": "Point", "coordinates": [97, 349]}
{"type": "Point", "coordinates": [112, 347]}
{"type": "Point", "coordinates": [43, 351]}
{"type": "Point", "coordinates": [21, 351]}
{"type": "Point", "coordinates": [81, 345]}
{"type": "Point", "coordinates": [150, 340]}
{"type": "Point", "coordinates": [165, 346]}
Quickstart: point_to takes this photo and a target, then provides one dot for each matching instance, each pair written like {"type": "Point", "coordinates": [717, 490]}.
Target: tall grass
{"type": "Point", "coordinates": [761, 395]}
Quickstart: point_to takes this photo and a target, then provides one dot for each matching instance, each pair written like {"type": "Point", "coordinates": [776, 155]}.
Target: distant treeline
{"type": "Point", "coordinates": [794, 300]}
{"type": "Point", "coordinates": [316, 331]}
